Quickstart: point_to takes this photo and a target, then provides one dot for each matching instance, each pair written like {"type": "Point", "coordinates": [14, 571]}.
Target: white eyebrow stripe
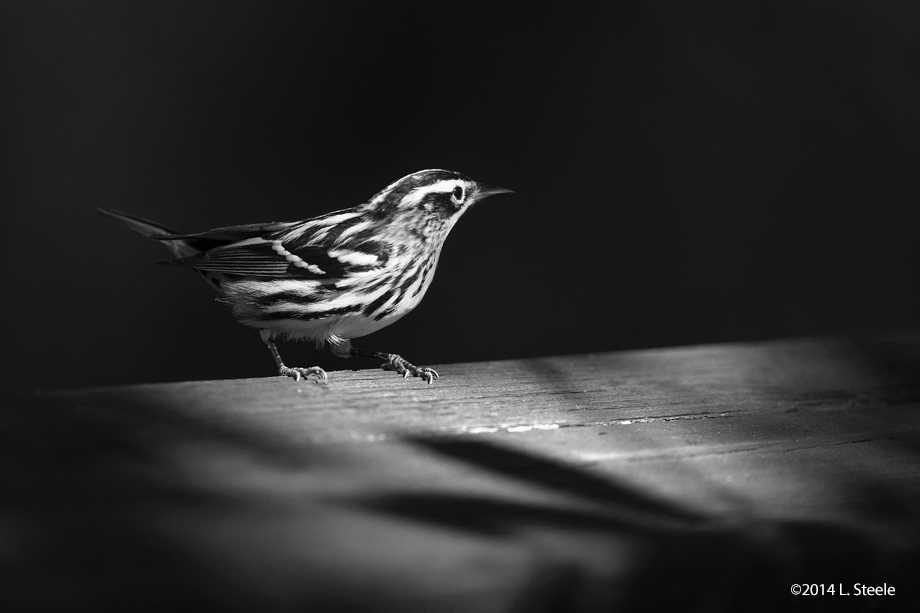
{"type": "Point", "coordinates": [442, 187]}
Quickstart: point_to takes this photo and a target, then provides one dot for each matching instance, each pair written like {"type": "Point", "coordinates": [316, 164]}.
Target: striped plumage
{"type": "Point", "coordinates": [335, 277]}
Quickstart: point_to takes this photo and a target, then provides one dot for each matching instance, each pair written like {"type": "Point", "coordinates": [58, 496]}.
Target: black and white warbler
{"type": "Point", "coordinates": [331, 278]}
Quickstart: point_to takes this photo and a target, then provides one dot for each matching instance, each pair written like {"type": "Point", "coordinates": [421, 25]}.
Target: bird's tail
{"type": "Point", "coordinates": [151, 229]}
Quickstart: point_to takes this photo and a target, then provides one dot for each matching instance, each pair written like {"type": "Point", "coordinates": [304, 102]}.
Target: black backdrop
{"type": "Point", "coordinates": [685, 171]}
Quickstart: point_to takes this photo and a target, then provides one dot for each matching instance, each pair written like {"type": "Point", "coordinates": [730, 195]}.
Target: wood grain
{"type": "Point", "coordinates": [707, 478]}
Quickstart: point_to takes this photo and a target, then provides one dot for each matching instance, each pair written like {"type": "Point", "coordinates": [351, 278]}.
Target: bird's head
{"type": "Point", "coordinates": [429, 200]}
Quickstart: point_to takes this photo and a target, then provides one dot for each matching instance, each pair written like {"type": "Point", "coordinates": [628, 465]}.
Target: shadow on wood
{"type": "Point", "coordinates": [702, 478]}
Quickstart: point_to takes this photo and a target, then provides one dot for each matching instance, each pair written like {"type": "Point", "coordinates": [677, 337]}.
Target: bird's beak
{"type": "Point", "coordinates": [488, 190]}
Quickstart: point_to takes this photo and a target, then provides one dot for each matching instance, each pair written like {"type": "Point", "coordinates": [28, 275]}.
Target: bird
{"type": "Point", "coordinates": [332, 278]}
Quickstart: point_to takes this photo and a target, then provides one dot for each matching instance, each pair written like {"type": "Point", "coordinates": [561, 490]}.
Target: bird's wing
{"type": "Point", "coordinates": [273, 256]}
{"type": "Point", "coordinates": [220, 237]}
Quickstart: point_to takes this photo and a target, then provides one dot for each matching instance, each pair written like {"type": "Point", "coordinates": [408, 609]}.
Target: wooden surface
{"type": "Point", "coordinates": [703, 478]}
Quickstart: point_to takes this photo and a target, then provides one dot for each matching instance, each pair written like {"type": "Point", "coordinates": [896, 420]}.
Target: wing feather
{"type": "Point", "coordinates": [259, 257]}
{"type": "Point", "coordinates": [221, 237]}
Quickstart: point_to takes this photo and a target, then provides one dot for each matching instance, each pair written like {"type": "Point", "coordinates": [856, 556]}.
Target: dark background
{"type": "Point", "coordinates": [685, 172]}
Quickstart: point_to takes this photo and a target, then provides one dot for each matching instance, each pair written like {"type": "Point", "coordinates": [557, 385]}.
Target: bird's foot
{"type": "Point", "coordinates": [404, 368]}
{"type": "Point", "coordinates": [297, 373]}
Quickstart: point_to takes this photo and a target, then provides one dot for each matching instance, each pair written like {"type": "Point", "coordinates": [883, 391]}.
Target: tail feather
{"type": "Point", "coordinates": [151, 229]}
{"type": "Point", "coordinates": [138, 224]}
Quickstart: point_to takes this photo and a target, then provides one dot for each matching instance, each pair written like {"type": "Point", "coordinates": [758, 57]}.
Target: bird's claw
{"type": "Point", "coordinates": [297, 373]}
{"type": "Point", "coordinates": [404, 368]}
{"type": "Point", "coordinates": [427, 374]}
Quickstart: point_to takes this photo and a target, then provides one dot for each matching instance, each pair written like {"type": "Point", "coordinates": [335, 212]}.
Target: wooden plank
{"type": "Point", "coordinates": [703, 477]}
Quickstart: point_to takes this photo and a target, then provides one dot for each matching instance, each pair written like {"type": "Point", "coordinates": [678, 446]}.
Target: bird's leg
{"type": "Point", "coordinates": [295, 373]}
{"type": "Point", "coordinates": [391, 362]}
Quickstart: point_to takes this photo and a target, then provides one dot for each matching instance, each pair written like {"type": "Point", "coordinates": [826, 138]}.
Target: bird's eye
{"type": "Point", "coordinates": [458, 194]}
